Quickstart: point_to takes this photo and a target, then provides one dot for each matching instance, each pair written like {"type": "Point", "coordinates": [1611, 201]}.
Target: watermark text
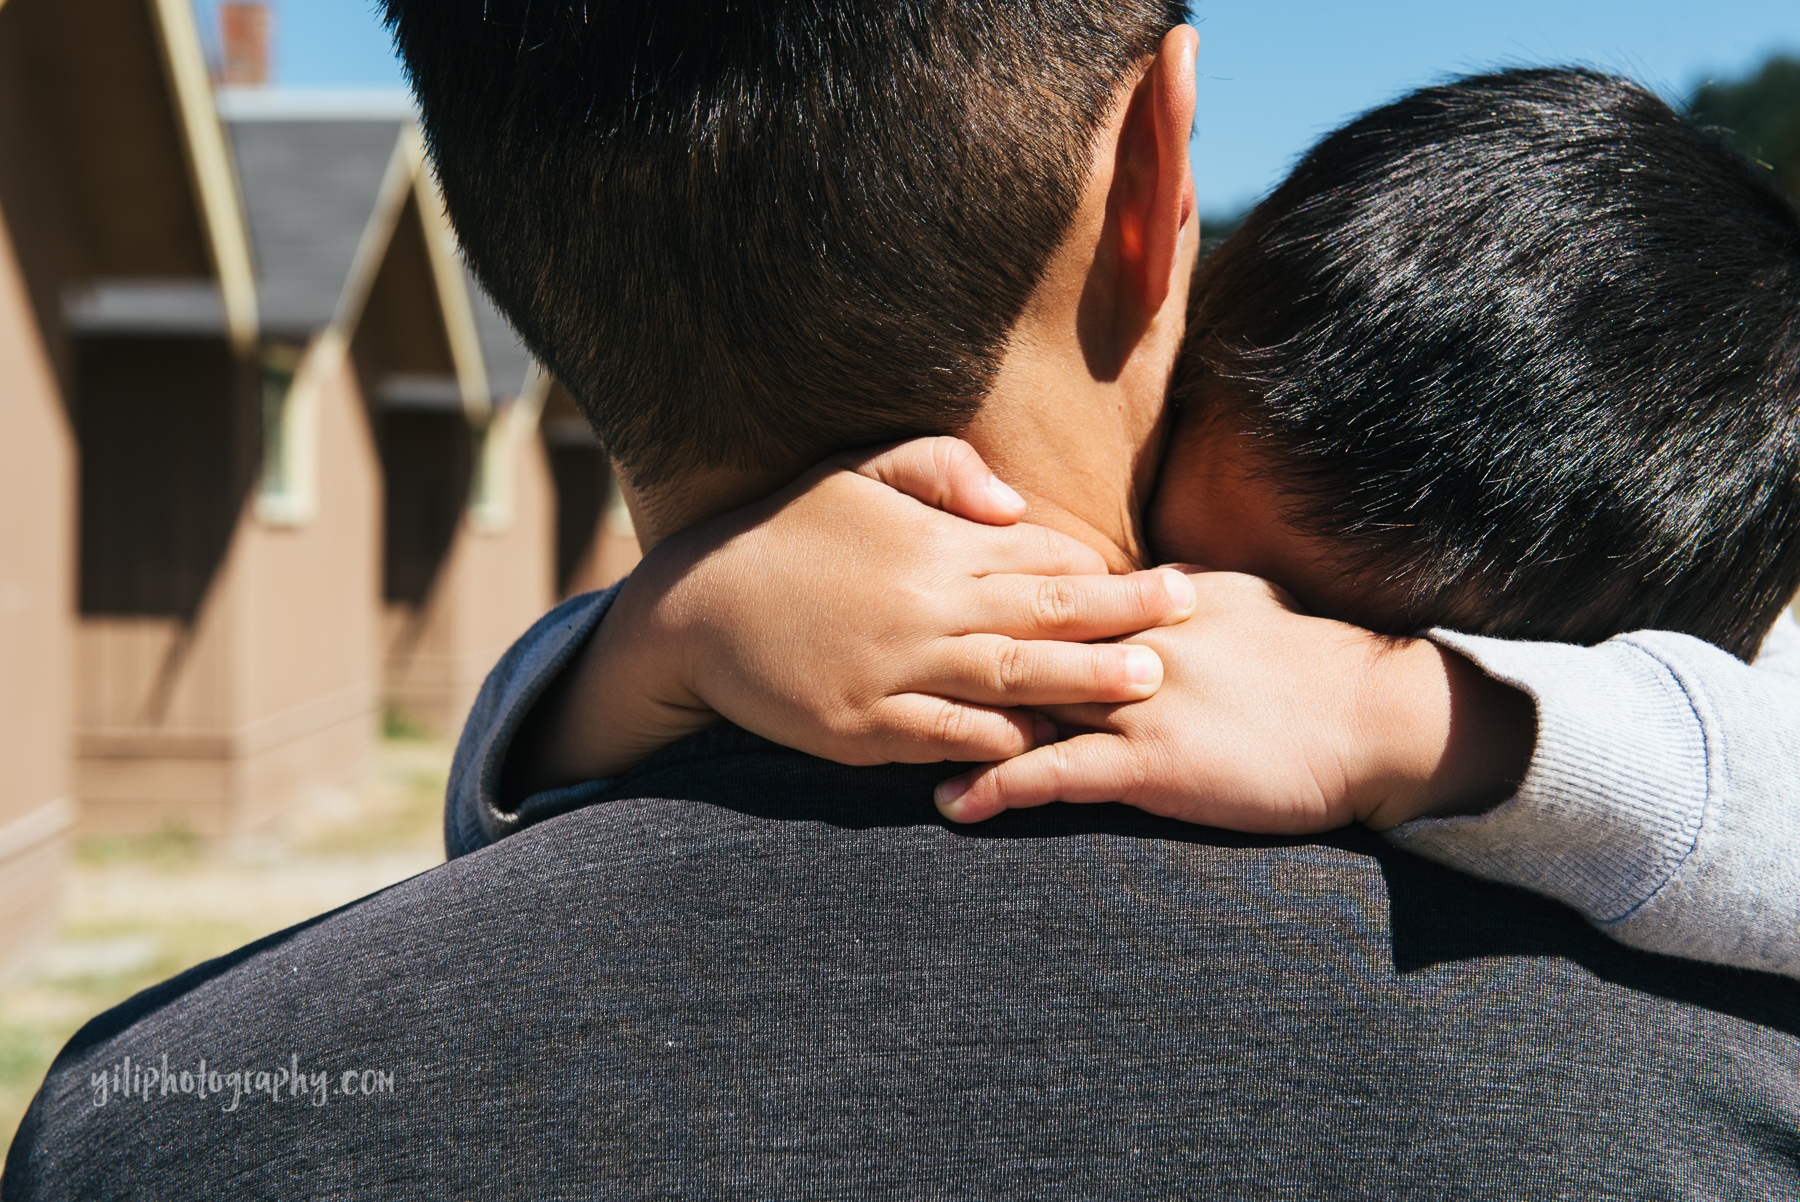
{"type": "Point", "coordinates": [141, 1081]}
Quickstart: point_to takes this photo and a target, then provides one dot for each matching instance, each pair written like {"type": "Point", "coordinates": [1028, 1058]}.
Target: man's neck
{"type": "Point", "coordinates": [700, 494]}
{"type": "Point", "coordinates": [1082, 454]}
{"type": "Point", "coordinates": [1076, 421]}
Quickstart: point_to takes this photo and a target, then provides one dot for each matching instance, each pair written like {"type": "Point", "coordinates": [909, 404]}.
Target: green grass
{"type": "Point", "coordinates": [397, 726]}
{"type": "Point", "coordinates": [174, 848]}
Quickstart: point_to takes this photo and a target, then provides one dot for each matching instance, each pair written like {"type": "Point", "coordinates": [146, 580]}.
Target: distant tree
{"type": "Point", "coordinates": [1763, 113]}
{"type": "Point", "coordinates": [1221, 225]}
{"type": "Point", "coordinates": [1216, 227]}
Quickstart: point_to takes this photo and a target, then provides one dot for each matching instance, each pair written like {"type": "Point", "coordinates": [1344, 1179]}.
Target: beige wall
{"type": "Point", "coordinates": [219, 668]}
{"type": "Point", "coordinates": [311, 650]}
{"type": "Point", "coordinates": [270, 693]}
{"type": "Point", "coordinates": [36, 583]}
{"type": "Point", "coordinates": [490, 588]}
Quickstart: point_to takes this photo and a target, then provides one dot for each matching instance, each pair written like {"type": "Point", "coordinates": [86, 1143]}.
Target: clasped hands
{"type": "Point", "coordinates": [892, 607]}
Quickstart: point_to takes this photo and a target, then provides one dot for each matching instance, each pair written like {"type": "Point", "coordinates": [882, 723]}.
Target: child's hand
{"type": "Point", "coordinates": [1272, 721]}
{"type": "Point", "coordinates": [846, 618]}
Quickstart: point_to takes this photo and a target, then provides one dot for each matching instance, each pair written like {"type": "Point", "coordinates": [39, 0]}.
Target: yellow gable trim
{"type": "Point", "coordinates": [409, 177]}
{"type": "Point", "coordinates": [371, 248]}
{"type": "Point", "coordinates": [211, 168]}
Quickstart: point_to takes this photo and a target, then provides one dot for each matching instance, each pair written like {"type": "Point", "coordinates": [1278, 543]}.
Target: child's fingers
{"type": "Point", "coordinates": [1081, 608]}
{"type": "Point", "coordinates": [918, 729]}
{"type": "Point", "coordinates": [945, 473]}
{"type": "Point", "coordinates": [1086, 768]}
{"type": "Point", "coordinates": [1028, 550]}
{"type": "Point", "coordinates": [990, 670]}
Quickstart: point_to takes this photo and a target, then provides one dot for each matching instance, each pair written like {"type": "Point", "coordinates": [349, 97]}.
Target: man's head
{"type": "Point", "coordinates": [754, 232]}
{"type": "Point", "coordinates": [1520, 356]}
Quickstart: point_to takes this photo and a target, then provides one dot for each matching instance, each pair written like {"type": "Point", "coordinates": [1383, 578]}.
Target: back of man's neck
{"type": "Point", "coordinates": [1074, 449]}
{"type": "Point", "coordinates": [700, 494]}
{"type": "Point", "coordinates": [1068, 487]}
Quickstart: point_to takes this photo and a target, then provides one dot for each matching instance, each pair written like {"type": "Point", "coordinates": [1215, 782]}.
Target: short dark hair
{"type": "Point", "coordinates": [1526, 347]}
{"type": "Point", "coordinates": [750, 230]}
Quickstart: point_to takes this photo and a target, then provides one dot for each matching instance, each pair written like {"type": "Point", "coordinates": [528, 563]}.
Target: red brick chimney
{"type": "Point", "coordinates": [244, 40]}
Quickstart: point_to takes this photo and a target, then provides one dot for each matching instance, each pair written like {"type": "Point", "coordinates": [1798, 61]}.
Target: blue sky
{"type": "Point", "coordinates": [1273, 75]}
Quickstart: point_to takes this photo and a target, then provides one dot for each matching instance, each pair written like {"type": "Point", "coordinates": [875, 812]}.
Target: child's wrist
{"type": "Point", "coordinates": [1446, 737]}
{"type": "Point", "coordinates": [648, 657]}
{"type": "Point", "coordinates": [617, 703]}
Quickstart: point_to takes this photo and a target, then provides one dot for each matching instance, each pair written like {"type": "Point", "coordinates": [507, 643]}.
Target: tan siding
{"type": "Point", "coordinates": [612, 551]}
{"type": "Point", "coordinates": [37, 531]}
{"type": "Point", "coordinates": [30, 885]}
{"type": "Point", "coordinates": [95, 76]}
{"type": "Point", "coordinates": [402, 328]}
{"type": "Point", "coordinates": [488, 590]}
{"type": "Point", "coordinates": [125, 666]}
{"type": "Point", "coordinates": [34, 197]}
{"type": "Point", "coordinates": [158, 674]}
{"type": "Point", "coordinates": [331, 756]}
{"type": "Point", "coordinates": [312, 592]}
{"type": "Point", "coordinates": [595, 545]}
{"type": "Point", "coordinates": [155, 789]}
{"type": "Point", "coordinates": [269, 693]}
{"type": "Point", "coordinates": [36, 566]}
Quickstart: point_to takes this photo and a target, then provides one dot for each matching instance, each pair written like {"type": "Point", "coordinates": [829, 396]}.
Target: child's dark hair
{"type": "Point", "coordinates": [1527, 347]}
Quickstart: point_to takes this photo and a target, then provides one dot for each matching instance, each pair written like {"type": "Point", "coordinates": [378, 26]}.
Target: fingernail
{"type": "Point", "coordinates": [1142, 666]}
{"type": "Point", "coordinates": [1046, 732]}
{"type": "Point", "coordinates": [949, 790]}
{"type": "Point", "coordinates": [1004, 494]}
{"type": "Point", "coordinates": [1181, 589]}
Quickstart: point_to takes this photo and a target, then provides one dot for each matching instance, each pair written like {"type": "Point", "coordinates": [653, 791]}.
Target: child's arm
{"type": "Point", "coordinates": [1663, 800]}
{"type": "Point", "coordinates": [1660, 798]}
{"type": "Point", "coordinates": [841, 617]}
{"type": "Point", "coordinates": [1273, 721]}
{"type": "Point", "coordinates": [1660, 790]}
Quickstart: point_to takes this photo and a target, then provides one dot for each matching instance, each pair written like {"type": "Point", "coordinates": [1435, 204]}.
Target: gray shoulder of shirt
{"type": "Point", "coordinates": [1663, 798]}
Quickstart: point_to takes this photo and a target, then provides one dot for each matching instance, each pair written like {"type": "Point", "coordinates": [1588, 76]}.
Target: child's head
{"type": "Point", "coordinates": [1519, 355]}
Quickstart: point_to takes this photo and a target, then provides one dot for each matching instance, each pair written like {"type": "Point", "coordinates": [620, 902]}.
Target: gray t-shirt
{"type": "Point", "coordinates": [743, 972]}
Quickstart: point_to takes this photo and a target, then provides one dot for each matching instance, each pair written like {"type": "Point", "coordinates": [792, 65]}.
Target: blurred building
{"type": "Point", "coordinates": [361, 285]}
{"type": "Point", "coordinates": [115, 183]}
{"type": "Point", "coordinates": [271, 459]}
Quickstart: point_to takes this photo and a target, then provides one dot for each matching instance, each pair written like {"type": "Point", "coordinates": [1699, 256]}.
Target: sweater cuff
{"type": "Point", "coordinates": [1613, 800]}
{"type": "Point", "coordinates": [473, 817]}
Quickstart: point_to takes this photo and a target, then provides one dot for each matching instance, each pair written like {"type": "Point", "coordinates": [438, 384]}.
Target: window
{"type": "Point", "coordinates": [277, 386]}
{"type": "Point", "coordinates": [498, 444]}
{"type": "Point", "coordinates": [287, 387]}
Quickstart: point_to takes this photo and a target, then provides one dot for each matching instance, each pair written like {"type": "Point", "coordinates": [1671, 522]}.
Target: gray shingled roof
{"type": "Point", "coordinates": [310, 187]}
{"type": "Point", "coordinates": [311, 177]}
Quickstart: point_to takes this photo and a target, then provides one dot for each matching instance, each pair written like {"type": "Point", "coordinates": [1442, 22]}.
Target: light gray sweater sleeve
{"type": "Point", "coordinates": [1662, 800]}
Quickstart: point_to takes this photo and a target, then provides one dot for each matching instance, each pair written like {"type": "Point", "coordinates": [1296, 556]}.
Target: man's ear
{"type": "Point", "coordinates": [1154, 184]}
